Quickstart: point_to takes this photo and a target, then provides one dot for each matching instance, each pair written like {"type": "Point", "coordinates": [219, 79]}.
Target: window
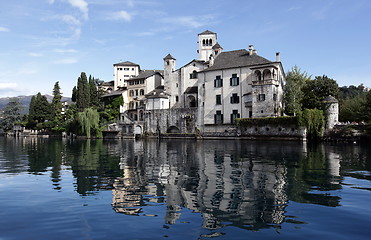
{"type": "Point", "coordinates": [234, 80]}
{"type": "Point", "coordinates": [126, 76]}
{"type": "Point", "coordinates": [235, 98]}
{"type": "Point", "coordinates": [176, 99]}
{"type": "Point", "coordinates": [218, 117]}
{"type": "Point", "coordinates": [274, 97]}
{"type": "Point", "coordinates": [210, 42]}
{"type": "Point", "coordinates": [193, 75]}
{"type": "Point", "coordinates": [119, 69]}
{"type": "Point", "coordinates": [126, 69]}
{"type": "Point", "coordinates": [218, 82]}
{"type": "Point", "coordinates": [234, 116]}
{"type": "Point", "coordinates": [136, 92]}
{"type": "Point", "coordinates": [132, 69]}
{"type": "Point", "coordinates": [218, 99]}
{"type": "Point", "coordinates": [142, 81]}
{"type": "Point", "coordinates": [141, 92]}
{"type": "Point", "coordinates": [261, 97]}
{"type": "Point", "coordinates": [131, 93]}
{"type": "Point", "coordinates": [131, 83]}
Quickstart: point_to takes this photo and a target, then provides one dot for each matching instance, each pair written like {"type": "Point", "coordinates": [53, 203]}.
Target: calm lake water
{"type": "Point", "coordinates": [62, 189]}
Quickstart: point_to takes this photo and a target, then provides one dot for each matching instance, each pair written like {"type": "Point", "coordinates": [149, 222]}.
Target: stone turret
{"type": "Point", "coordinates": [332, 111]}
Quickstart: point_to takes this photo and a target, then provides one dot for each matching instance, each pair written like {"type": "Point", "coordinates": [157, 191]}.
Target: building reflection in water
{"type": "Point", "coordinates": [242, 183]}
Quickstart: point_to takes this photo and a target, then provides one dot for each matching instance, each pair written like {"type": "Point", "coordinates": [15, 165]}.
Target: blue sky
{"type": "Point", "coordinates": [45, 41]}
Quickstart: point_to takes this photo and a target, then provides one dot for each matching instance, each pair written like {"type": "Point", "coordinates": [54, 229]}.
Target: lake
{"type": "Point", "coordinates": [183, 189]}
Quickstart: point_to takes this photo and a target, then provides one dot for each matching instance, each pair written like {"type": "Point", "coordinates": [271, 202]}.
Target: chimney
{"type": "Point", "coordinates": [254, 51]}
{"type": "Point", "coordinates": [278, 57]}
{"type": "Point", "coordinates": [251, 48]}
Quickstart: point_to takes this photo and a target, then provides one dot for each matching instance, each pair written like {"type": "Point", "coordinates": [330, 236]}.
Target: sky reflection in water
{"type": "Point", "coordinates": [182, 190]}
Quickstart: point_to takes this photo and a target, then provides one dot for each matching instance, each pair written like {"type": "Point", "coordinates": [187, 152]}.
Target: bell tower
{"type": "Point", "coordinates": [206, 41]}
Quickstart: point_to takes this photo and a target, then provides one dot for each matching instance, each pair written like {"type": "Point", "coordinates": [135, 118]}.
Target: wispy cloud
{"type": "Point", "coordinates": [70, 20]}
{"type": "Point", "coordinates": [8, 86]}
{"type": "Point", "coordinates": [66, 61]}
{"type": "Point", "coordinates": [123, 15]}
{"type": "Point", "coordinates": [33, 54]}
{"type": "Point", "coordinates": [189, 21]}
{"type": "Point", "coordinates": [65, 51]}
{"type": "Point", "coordinates": [4, 29]}
{"type": "Point", "coordinates": [82, 5]}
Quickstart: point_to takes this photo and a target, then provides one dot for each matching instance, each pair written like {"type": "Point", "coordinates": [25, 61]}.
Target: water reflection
{"type": "Point", "coordinates": [236, 183]}
{"type": "Point", "coordinates": [246, 184]}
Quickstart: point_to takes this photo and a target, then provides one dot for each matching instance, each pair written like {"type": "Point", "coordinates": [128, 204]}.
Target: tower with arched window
{"type": "Point", "coordinates": [206, 41]}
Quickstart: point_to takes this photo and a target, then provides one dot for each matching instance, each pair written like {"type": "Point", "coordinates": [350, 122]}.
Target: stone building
{"type": "Point", "coordinates": [225, 85]}
{"type": "Point", "coordinates": [218, 87]}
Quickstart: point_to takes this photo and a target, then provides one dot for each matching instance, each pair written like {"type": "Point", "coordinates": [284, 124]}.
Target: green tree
{"type": "Point", "coordinates": [368, 107]}
{"type": "Point", "coordinates": [57, 104]}
{"type": "Point", "coordinates": [112, 111]}
{"type": "Point", "coordinates": [293, 94]}
{"type": "Point", "coordinates": [316, 90]}
{"type": "Point", "coordinates": [11, 114]}
{"type": "Point", "coordinates": [353, 108]}
{"type": "Point", "coordinates": [93, 90]}
{"type": "Point", "coordinates": [40, 110]}
{"type": "Point", "coordinates": [74, 94]}
{"type": "Point", "coordinates": [83, 93]}
{"type": "Point", "coordinates": [89, 122]}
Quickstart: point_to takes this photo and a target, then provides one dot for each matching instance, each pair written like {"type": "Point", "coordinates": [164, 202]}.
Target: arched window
{"type": "Point", "coordinates": [131, 93]}
{"type": "Point", "coordinates": [203, 42]}
{"type": "Point", "coordinates": [267, 74]}
{"type": "Point", "coordinates": [141, 92]}
{"type": "Point", "coordinates": [210, 42]}
{"type": "Point", "coordinates": [258, 75]}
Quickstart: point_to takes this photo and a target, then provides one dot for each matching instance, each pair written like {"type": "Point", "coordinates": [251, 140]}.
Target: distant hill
{"type": "Point", "coordinates": [25, 100]}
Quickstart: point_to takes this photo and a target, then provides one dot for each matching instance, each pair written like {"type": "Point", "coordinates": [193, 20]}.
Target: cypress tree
{"type": "Point", "coordinates": [57, 103]}
{"type": "Point", "coordinates": [83, 93]}
{"type": "Point", "coordinates": [93, 92]}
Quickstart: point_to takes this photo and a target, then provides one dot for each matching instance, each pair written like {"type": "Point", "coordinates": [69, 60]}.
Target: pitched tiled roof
{"type": "Point", "coordinates": [235, 59]}
{"type": "Point", "coordinates": [206, 32]}
{"type": "Point", "coordinates": [126, 63]}
{"type": "Point", "coordinates": [146, 74]}
{"type": "Point", "coordinates": [216, 46]}
{"type": "Point", "coordinates": [169, 57]}
{"type": "Point", "coordinates": [159, 92]}
{"type": "Point", "coordinates": [114, 93]}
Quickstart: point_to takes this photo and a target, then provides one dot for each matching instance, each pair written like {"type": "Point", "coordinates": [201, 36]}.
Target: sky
{"type": "Point", "coordinates": [45, 41]}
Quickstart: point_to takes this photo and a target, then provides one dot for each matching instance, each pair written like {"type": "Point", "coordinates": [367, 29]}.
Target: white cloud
{"type": "Point", "coordinates": [189, 21]}
{"type": "Point", "coordinates": [8, 86]}
{"type": "Point", "coordinates": [33, 54]}
{"type": "Point", "coordinates": [66, 61]}
{"type": "Point", "coordinates": [123, 15]}
{"type": "Point", "coordinates": [4, 29]}
{"type": "Point", "coordinates": [82, 5]}
{"type": "Point", "coordinates": [65, 51]}
{"type": "Point", "coordinates": [51, 1]}
{"type": "Point", "coordinates": [70, 20]}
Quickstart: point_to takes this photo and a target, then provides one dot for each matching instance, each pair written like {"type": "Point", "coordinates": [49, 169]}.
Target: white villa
{"type": "Point", "coordinates": [219, 86]}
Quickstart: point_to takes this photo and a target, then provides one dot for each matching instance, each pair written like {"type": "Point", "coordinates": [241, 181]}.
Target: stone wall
{"type": "Point", "coordinates": [180, 120]}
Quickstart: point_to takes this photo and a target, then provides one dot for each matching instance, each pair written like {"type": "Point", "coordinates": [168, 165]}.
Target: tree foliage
{"type": "Point", "coordinates": [57, 103]}
{"type": "Point", "coordinates": [89, 122]}
{"type": "Point", "coordinates": [40, 110]}
{"type": "Point", "coordinates": [293, 94]}
{"type": "Point", "coordinates": [11, 114]}
{"type": "Point", "coordinates": [316, 90]}
{"type": "Point", "coordinates": [112, 110]}
{"type": "Point", "coordinates": [83, 93]}
{"type": "Point", "coordinates": [314, 121]}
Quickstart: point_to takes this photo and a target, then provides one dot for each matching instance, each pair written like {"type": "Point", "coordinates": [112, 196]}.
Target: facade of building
{"type": "Point", "coordinates": [225, 85]}
{"type": "Point", "coordinates": [220, 86]}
